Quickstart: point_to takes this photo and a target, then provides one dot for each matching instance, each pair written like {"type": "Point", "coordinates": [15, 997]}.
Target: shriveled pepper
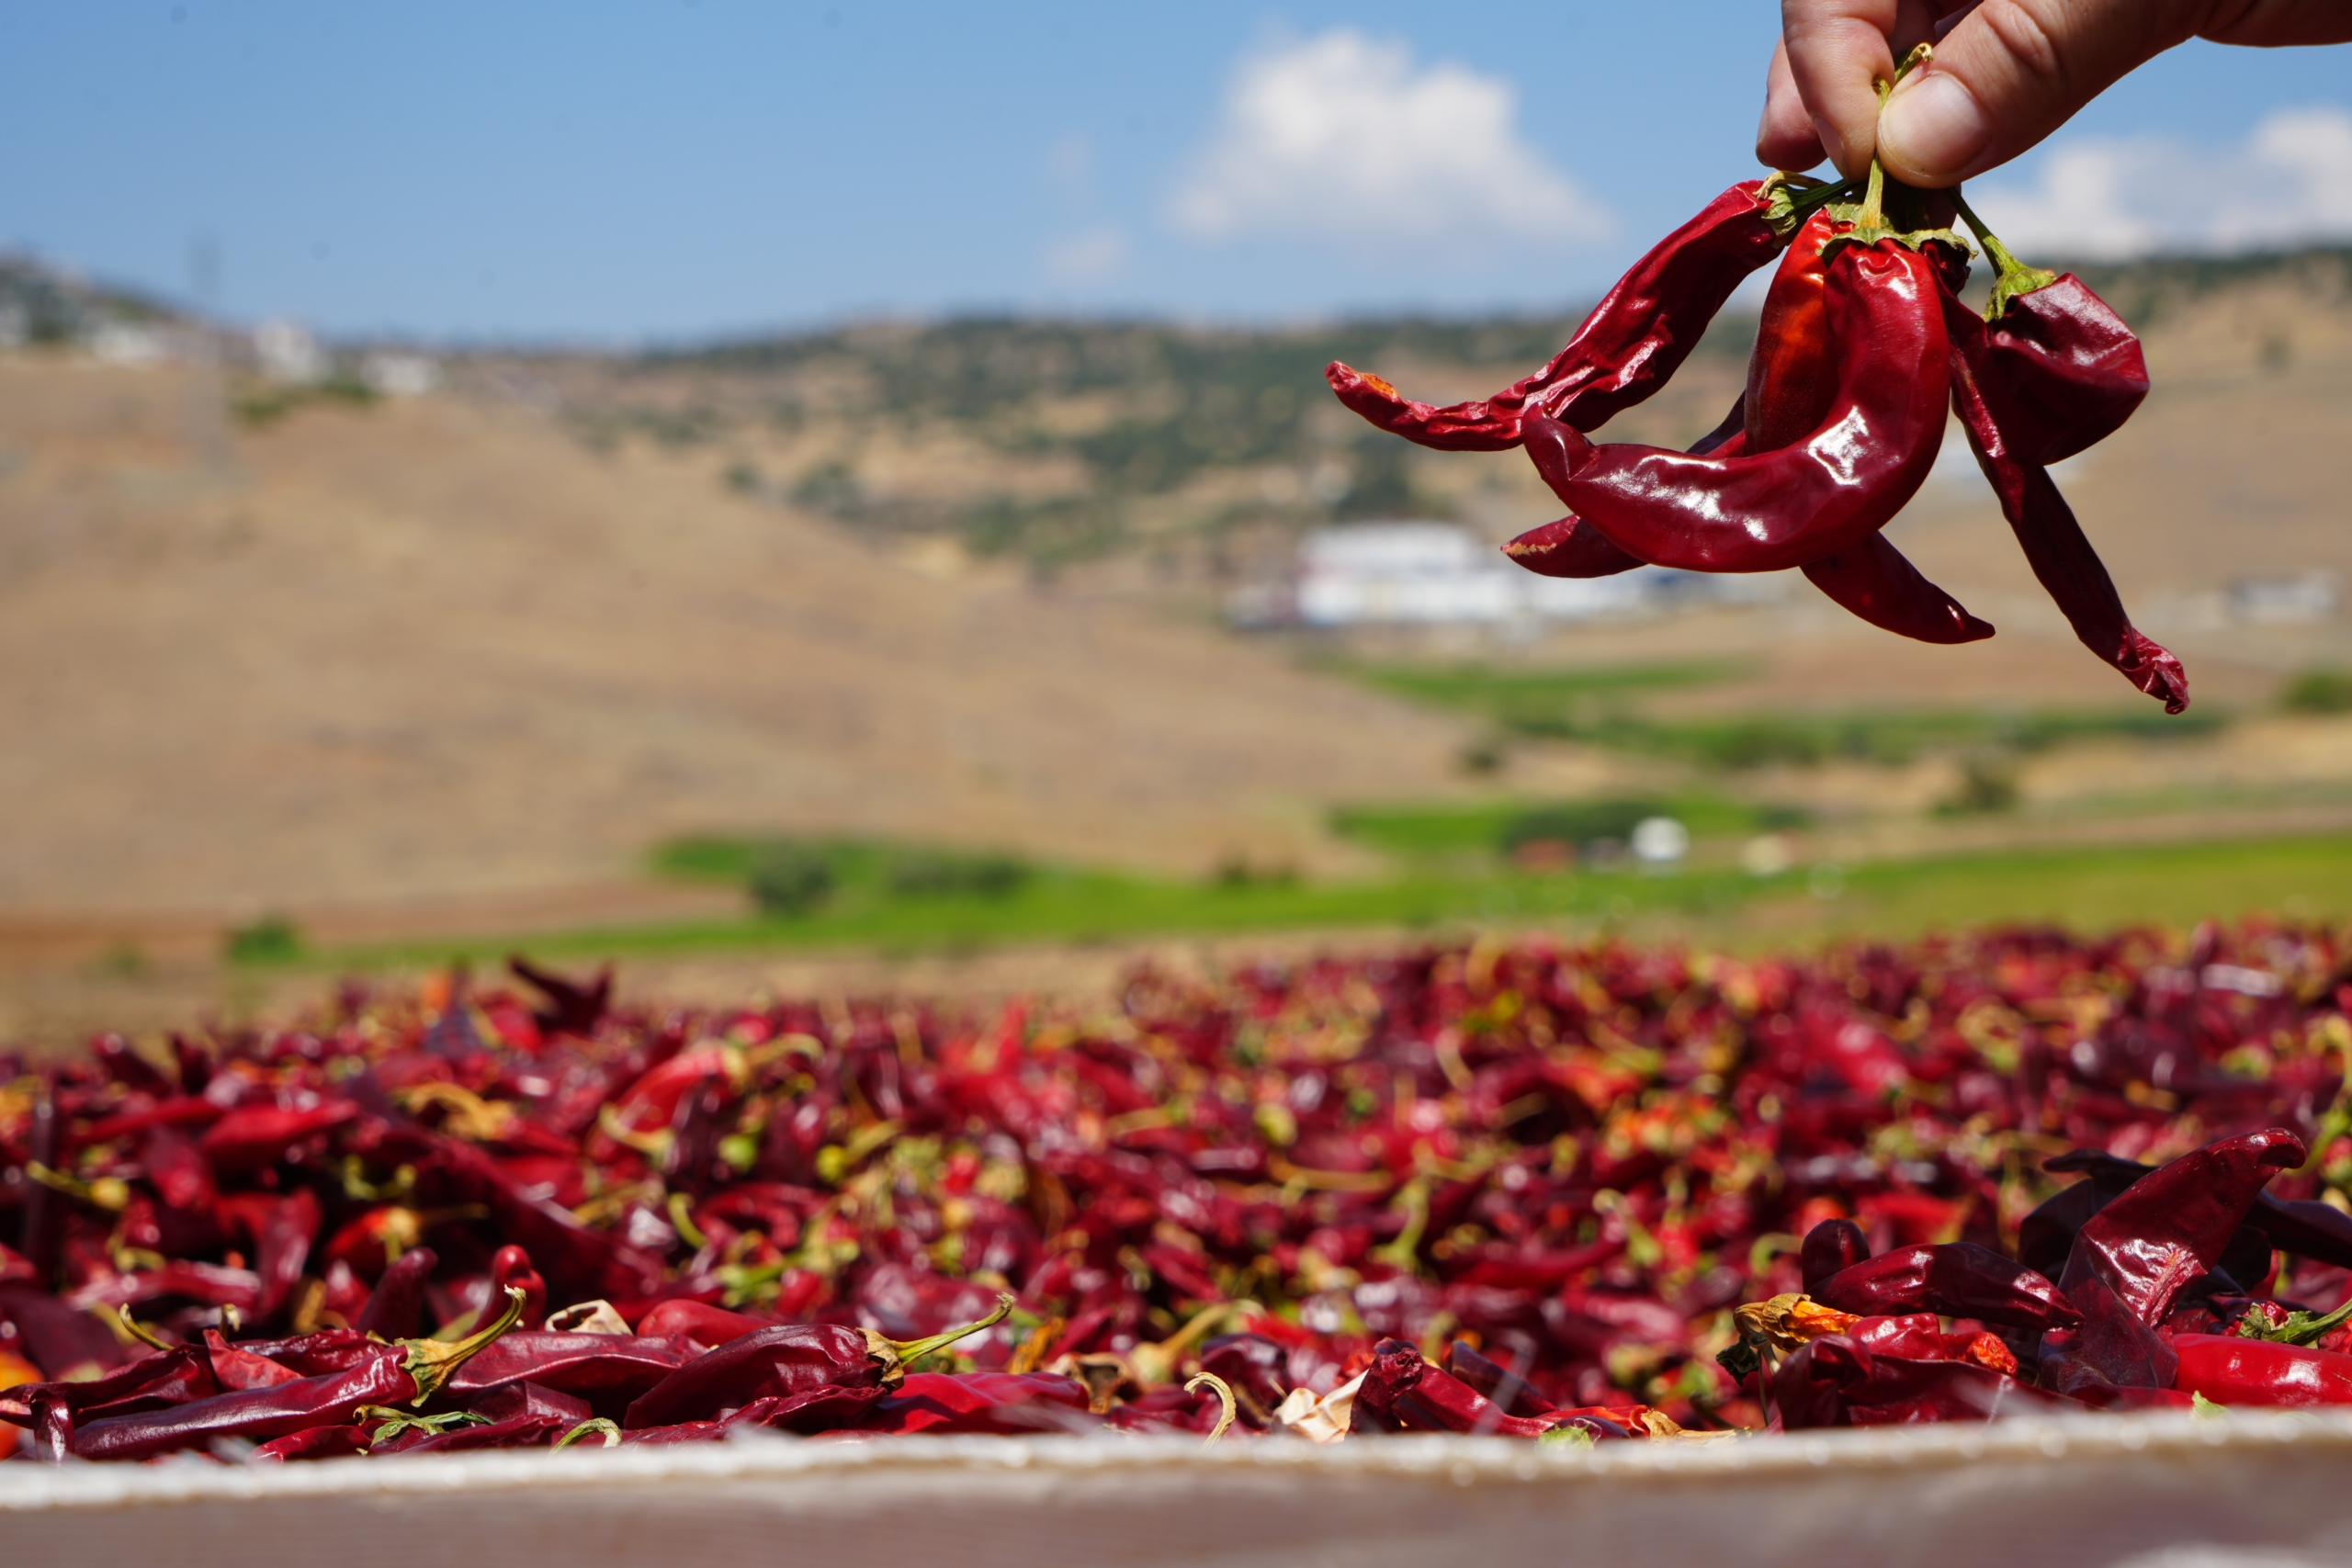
{"type": "Point", "coordinates": [788, 1360]}
{"type": "Point", "coordinates": [2065, 373]}
{"type": "Point", "coordinates": [1633, 340]}
{"type": "Point", "coordinates": [1956, 1278]}
{"type": "Point", "coordinates": [407, 1372]}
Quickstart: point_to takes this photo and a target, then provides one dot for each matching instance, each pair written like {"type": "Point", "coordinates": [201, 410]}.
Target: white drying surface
{"type": "Point", "coordinates": [2261, 1490]}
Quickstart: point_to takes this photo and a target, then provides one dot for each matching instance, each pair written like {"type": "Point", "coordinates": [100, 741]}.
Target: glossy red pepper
{"type": "Point", "coordinates": [605, 1368]}
{"type": "Point", "coordinates": [1955, 1279]}
{"type": "Point", "coordinates": [2063, 559]}
{"type": "Point", "coordinates": [1633, 340]}
{"type": "Point", "coordinates": [2232, 1370]}
{"type": "Point", "coordinates": [1764, 512]}
{"type": "Point", "coordinates": [788, 1360]}
{"type": "Point", "coordinates": [1574, 548]}
{"type": "Point", "coordinates": [403, 1373]}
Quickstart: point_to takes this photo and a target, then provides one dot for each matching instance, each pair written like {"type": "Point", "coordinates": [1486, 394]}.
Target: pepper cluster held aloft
{"type": "Point", "coordinates": [1861, 340]}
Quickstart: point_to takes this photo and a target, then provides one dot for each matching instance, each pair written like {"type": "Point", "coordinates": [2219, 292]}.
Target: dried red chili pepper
{"type": "Point", "coordinates": [2065, 373]}
{"type": "Point", "coordinates": [699, 1321]}
{"type": "Point", "coordinates": [2172, 1225]}
{"type": "Point", "coordinates": [2228, 1370]}
{"type": "Point", "coordinates": [1956, 1278]}
{"type": "Point", "coordinates": [153, 1382]}
{"type": "Point", "coordinates": [2059, 368]}
{"type": "Point", "coordinates": [789, 1360]}
{"type": "Point", "coordinates": [1006, 1403]}
{"type": "Point", "coordinates": [1402, 1393]}
{"type": "Point", "coordinates": [1633, 340]}
{"type": "Point", "coordinates": [395, 1308]}
{"type": "Point", "coordinates": [518, 1416]}
{"type": "Point", "coordinates": [1573, 548]}
{"type": "Point", "coordinates": [1767, 511]}
{"type": "Point", "coordinates": [605, 1368]}
{"type": "Point", "coordinates": [312, 1442]}
{"type": "Point", "coordinates": [407, 1372]}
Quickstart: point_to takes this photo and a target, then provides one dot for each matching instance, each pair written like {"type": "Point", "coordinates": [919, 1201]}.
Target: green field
{"type": "Point", "coordinates": [1600, 708]}
{"type": "Point", "coordinates": [874, 906]}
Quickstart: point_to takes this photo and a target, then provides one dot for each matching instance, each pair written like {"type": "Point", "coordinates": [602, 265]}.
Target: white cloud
{"type": "Point", "coordinates": [2103, 199]}
{"type": "Point", "coordinates": [1089, 257]}
{"type": "Point", "coordinates": [1344, 139]}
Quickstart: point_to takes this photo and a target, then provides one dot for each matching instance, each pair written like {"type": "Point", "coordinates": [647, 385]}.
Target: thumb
{"type": "Point", "coordinates": [2011, 72]}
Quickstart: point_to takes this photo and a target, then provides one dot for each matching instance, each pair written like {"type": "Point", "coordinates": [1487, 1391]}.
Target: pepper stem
{"type": "Point", "coordinates": [1157, 1363]}
{"type": "Point", "coordinates": [603, 1427]}
{"type": "Point", "coordinates": [1223, 1391]}
{"type": "Point", "coordinates": [897, 1355]}
{"type": "Point", "coordinates": [431, 1362]}
{"type": "Point", "coordinates": [138, 1330]}
{"type": "Point", "coordinates": [2013, 277]}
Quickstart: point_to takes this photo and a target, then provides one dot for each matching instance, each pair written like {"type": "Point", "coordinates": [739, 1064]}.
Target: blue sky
{"type": "Point", "coordinates": [659, 170]}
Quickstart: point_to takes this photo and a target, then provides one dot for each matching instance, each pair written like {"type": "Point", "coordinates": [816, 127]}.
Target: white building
{"type": "Point", "coordinates": [288, 353]}
{"type": "Point", "coordinates": [1437, 574]}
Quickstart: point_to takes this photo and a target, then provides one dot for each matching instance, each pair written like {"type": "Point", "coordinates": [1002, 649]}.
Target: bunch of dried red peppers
{"type": "Point", "coordinates": [1522, 1190]}
{"type": "Point", "coordinates": [1862, 339]}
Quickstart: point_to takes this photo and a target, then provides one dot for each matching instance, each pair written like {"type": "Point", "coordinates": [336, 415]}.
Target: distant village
{"type": "Point", "coordinates": [43, 306]}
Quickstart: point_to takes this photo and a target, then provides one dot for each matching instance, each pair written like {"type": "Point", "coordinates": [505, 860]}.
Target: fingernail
{"type": "Point", "coordinates": [1932, 126]}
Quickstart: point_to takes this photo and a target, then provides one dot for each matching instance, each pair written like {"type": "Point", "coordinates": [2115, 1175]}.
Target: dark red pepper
{"type": "Point", "coordinates": [1005, 1402]}
{"type": "Point", "coordinates": [1766, 511]}
{"type": "Point", "coordinates": [1633, 340]}
{"type": "Point", "coordinates": [2056, 371]}
{"type": "Point", "coordinates": [410, 1372]}
{"type": "Point", "coordinates": [788, 1360]}
{"type": "Point", "coordinates": [1956, 1278]}
{"type": "Point", "coordinates": [395, 1308]}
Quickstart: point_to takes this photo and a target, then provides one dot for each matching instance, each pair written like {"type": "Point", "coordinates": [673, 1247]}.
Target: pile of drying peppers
{"type": "Point", "coordinates": [1567, 1194]}
{"type": "Point", "coordinates": [1863, 339]}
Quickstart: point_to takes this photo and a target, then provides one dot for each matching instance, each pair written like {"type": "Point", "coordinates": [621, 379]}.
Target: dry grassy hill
{"type": "Point", "coordinates": [435, 650]}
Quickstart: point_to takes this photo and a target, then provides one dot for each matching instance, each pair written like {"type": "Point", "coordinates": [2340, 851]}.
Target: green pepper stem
{"type": "Point", "coordinates": [2012, 278]}
{"type": "Point", "coordinates": [431, 1362]}
{"type": "Point", "coordinates": [138, 1330]}
{"type": "Point", "coordinates": [907, 1352]}
{"type": "Point", "coordinates": [603, 1427]}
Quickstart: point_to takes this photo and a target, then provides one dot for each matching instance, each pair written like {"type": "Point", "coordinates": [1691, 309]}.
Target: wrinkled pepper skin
{"type": "Point", "coordinates": [1768, 511]}
{"type": "Point", "coordinates": [2173, 1224]}
{"type": "Point", "coordinates": [2230, 1370]}
{"type": "Point", "coordinates": [2061, 370]}
{"type": "Point", "coordinates": [2132, 1260]}
{"type": "Point", "coordinates": [1633, 339]}
{"type": "Point", "coordinates": [600, 1368]}
{"type": "Point", "coordinates": [1894, 1370]}
{"type": "Point", "coordinates": [256, 1414]}
{"type": "Point", "coordinates": [2063, 559]}
{"type": "Point", "coordinates": [1402, 1393]}
{"type": "Point", "coordinates": [775, 1362]}
{"type": "Point", "coordinates": [1956, 1279]}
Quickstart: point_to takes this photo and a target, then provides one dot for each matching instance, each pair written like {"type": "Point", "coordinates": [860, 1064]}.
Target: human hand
{"type": "Point", "coordinates": [2006, 72]}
